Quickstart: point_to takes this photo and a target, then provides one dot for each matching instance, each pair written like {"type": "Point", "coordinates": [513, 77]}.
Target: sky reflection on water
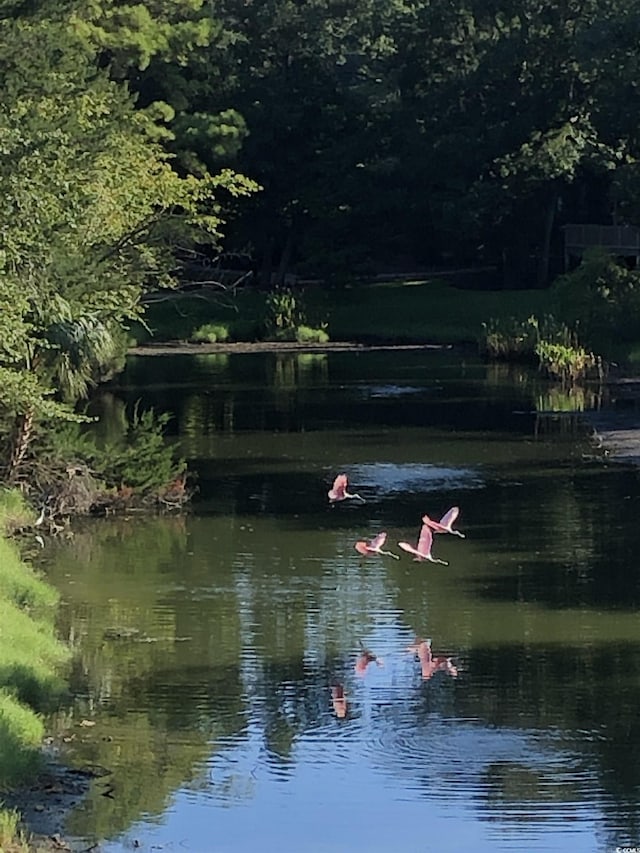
{"type": "Point", "coordinates": [220, 726]}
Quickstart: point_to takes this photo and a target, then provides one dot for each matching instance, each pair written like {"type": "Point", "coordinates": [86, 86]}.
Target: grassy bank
{"type": "Point", "coordinates": [30, 660]}
{"type": "Point", "coordinates": [429, 311]}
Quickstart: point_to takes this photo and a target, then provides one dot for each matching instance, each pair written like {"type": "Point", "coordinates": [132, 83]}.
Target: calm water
{"type": "Point", "coordinates": [216, 718]}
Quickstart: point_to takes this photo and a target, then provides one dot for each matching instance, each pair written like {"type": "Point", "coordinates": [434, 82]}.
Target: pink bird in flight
{"type": "Point", "coordinates": [423, 551]}
{"type": "Point", "coordinates": [338, 492]}
{"type": "Point", "coordinates": [374, 546]}
{"type": "Point", "coordinates": [445, 525]}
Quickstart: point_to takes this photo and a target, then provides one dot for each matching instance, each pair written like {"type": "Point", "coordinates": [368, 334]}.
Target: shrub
{"type": "Point", "coordinates": [550, 343]}
{"type": "Point", "coordinates": [211, 333]}
{"type": "Point", "coordinates": [565, 362]}
{"type": "Point", "coordinates": [143, 460]}
{"type": "Point", "coordinates": [307, 335]}
{"type": "Point", "coordinates": [601, 298]}
{"type": "Point", "coordinates": [510, 339]}
{"type": "Point", "coordinates": [284, 312]}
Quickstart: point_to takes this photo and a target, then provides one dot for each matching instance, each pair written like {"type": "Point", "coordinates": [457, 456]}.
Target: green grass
{"type": "Point", "coordinates": [398, 312]}
{"type": "Point", "coordinates": [179, 316]}
{"type": "Point", "coordinates": [21, 733]}
{"type": "Point", "coordinates": [14, 511]}
{"type": "Point", "coordinates": [19, 584]}
{"type": "Point", "coordinates": [12, 839]}
{"type": "Point", "coordinates": [425, 312]}
{"type": "Point", "coordinates": [30, 661]}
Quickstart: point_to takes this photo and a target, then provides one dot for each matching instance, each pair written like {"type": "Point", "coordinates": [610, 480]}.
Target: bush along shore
{"type": "Point", "coordinates": [32, 670]}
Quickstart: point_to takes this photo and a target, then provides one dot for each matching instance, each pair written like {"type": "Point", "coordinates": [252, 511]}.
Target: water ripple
{"type": "Point", "coordinates": [389, 478]}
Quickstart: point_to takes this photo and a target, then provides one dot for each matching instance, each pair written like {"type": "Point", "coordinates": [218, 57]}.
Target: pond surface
{"type": "Point", "coordinates": [220, 676]}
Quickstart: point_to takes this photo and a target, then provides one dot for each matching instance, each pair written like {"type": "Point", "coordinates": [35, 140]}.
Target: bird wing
{"type": "Point", "coordinates": [378, 541]}
{"type": "Point", "coordinates": [425, 540]}
{"type": "Point", "coordinates": [339, 487]}
{"type": "Point", "coordinates": [410, 549]}
{"type": "Point", "coordinates": [435, 525]}
{"type": "Point", "coordinates": [362, 548]}
{"type": "Point", "coordinates": [450, 516]}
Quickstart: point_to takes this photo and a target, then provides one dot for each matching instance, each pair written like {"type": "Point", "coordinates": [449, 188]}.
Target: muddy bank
{"type": "Point", "coordinates": [186, 348]}
{"type": "Point", "coordinates": [45, 803]}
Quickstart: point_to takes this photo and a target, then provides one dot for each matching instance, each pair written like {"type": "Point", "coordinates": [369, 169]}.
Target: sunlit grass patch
{"type": "Point", "coordinates": [29, 650]}
{"type": "Point", "coordinates": [30, 654]}
{"type": "Point", "coordinates": [12, 839]}
{"type": "Point", "coordinates": [30, 661]}
{"type": "Point", "coordinates": [428, 311]}
{"type": "Point", "coordinates": [20, 585]}
{"type": "Point", "coordinates": [21, 733]}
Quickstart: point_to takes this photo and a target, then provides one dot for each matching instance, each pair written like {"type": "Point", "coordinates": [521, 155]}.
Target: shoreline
{"type": "Point", "coordinates": [188, 348]}
{"type": "Point", "coordinates": [616, 429]}
{"type": "Point", "coordinates": [45, 803]}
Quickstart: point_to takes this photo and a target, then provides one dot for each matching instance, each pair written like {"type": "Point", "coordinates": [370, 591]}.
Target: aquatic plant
{"type": "Point", "coordinates": [547, 341]}
{"type": "Point", "coordinates": [566, 362]}
{"type": "Point", "coordinates": [284, 313]}
{"type": "Point", "coordinates": [509, 338]}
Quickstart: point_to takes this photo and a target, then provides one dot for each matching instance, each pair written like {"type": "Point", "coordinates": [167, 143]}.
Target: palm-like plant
{"type": "Point", "coordinates": [79, 352]}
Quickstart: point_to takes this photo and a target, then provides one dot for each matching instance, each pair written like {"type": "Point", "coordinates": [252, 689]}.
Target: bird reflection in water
{"type": "Point", "coordinates": [364, 659]}
{"type": "Point", "coordinates": [429, 663]}
{"type": "Point", "coordinates": [339, 701]}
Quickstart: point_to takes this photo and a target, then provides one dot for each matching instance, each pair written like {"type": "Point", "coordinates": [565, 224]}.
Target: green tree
{"type": "Point", "coordinates": [91, 212]}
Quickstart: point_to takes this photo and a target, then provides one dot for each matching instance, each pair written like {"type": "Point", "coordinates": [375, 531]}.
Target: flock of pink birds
{"type": "Point", "coordinates": [429, 663]}
{"type": "Point", "coordinates": [421, 551]}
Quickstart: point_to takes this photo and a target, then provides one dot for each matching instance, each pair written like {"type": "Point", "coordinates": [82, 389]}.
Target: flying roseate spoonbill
{"type": "Point", "coordinates": [423, 551]}
{"type": "Point", "coordinates": [374, 546]}
{"type": "Point", "coordinates": [445, 525]}
{"type": "Point", "coordinates": [430, 664]}
{"type": "Point", "coordinates": [339, 701]}
{"type": "Point", "coordinates": [338, 492]}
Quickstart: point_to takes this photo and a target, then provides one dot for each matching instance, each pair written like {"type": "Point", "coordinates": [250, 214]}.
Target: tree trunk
{"type": "Point", "coordinates": [22, 434]}
{"type": "Point", "coordinates": [285, 257]}
{"type": "Point", "coordinates": [266, 267]}
{"type": "Point", "coordinates": [543, 265]}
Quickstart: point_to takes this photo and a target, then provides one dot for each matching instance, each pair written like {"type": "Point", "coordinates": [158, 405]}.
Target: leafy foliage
{"type": "Point", "coordinates": [308, 335]}
{"type": "Point", "coordinates": [549, 343]}
{"type": "Point", "coordinates": [602, 298]}
{"type": "Point", "coordinates": [211, 333]}
{"type": "Point", "coordinates": [144, 461]}
{"type": "Point", "coordinates": [91, 210]}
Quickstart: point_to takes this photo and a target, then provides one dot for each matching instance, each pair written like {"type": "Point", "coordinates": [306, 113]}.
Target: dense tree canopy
{"type": "Point", "coordinates": [91, 211]}
{"type": "Point", "coordinates": [382, 134]}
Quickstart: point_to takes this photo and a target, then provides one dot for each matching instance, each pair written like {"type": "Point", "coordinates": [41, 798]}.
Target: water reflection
{"type": "Point", "coordinates": [363, 660]}
{"type": "Point", "coordinates": [339, 701]}
{"type": "Point", "coordinates": [430, 663]}
{"type": "Point", "coordinates": [229, 658]}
